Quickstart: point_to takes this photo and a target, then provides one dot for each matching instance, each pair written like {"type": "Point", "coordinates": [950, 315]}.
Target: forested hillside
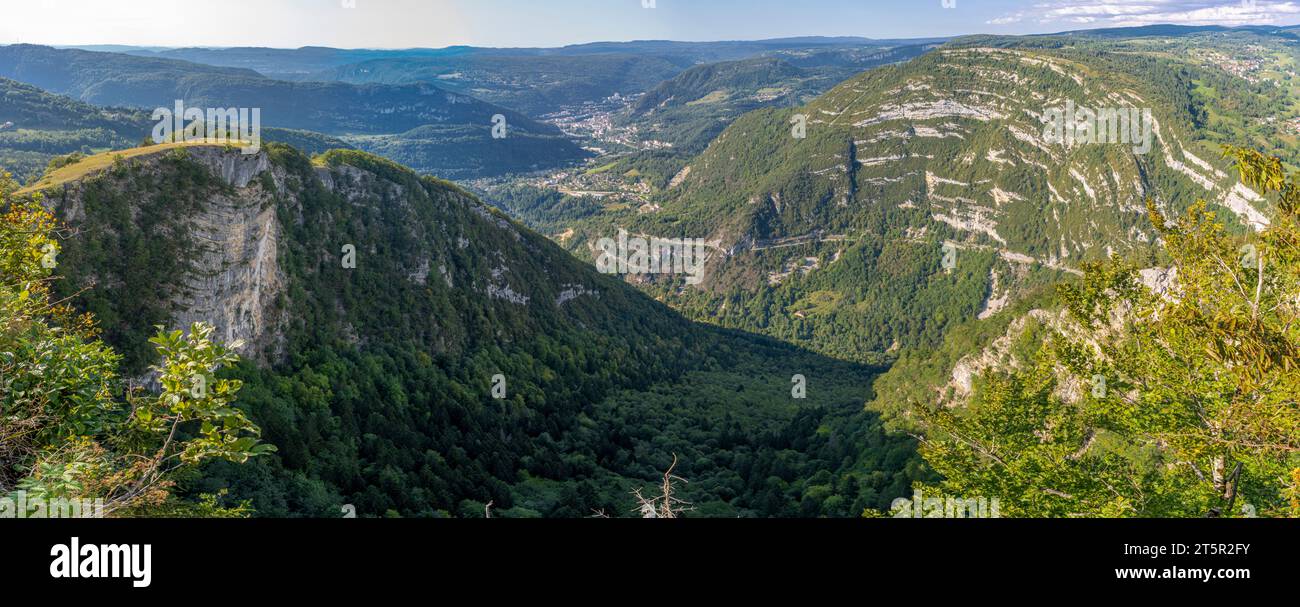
{"type": "Point", "coordinates": [691, 109]}
{"type": "Point", "coordinates": [38, 126]}
{"type": "Point", "coordinates": [1129, 392]}
{"type": "Point", "coordinates": [438, 121]}
{"type": "Point", "coordinates": [48, 131]}
{"type": "Point", "coordinates": [378, 382]}
{"type": "Point", "coordinates": [915, 197]}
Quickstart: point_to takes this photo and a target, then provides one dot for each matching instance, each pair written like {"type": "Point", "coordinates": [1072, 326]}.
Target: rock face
{"type": "Point", "coordinates": [236, 169]}
{"type": "Point", "coordinates": [238, 276]}
{"type": "Point", "coordinates": [997, 354]}
{"type": "Point", "coordinates": [947, 189]}
{"type": "Point", "coordinates": [252, 244]}
{"type": "Point", "coordinates": [234, 278]}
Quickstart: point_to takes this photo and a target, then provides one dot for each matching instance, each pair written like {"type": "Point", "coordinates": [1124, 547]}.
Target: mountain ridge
{"type": "Point", "coordinates": [337, 109]}
{"type": "Point", "coordinates": [376, 381]}
{"type": "Point", "coordinates": [904, 161]}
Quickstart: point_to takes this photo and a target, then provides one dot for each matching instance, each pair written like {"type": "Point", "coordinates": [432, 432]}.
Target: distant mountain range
{"type": "Point", "coordinates": [286, 63]}
{"type": "Point", "coordinates": [1165, 29]}
{"type": "Point", "coordinates": [536, 81]}
{"type": "Point", "coordinates": [864, 204]}
{"type": "Point", "coordinates": [330, 108]}
{"type": "Point", "coordinates": [690, 109]}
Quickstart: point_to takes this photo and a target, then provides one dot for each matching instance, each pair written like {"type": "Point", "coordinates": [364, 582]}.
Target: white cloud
{"type": "Point", "coordinates": [1007, 19]}
{"type": "Point", "coordinates": [1126, 13]}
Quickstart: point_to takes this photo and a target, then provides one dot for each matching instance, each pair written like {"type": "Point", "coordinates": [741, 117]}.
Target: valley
{"type": "Point", "coordinates": [900, 163]}
{"type": "Point", "coordinates": [904, 242]}
{"type": "Point", "coordinates": [439, 304]}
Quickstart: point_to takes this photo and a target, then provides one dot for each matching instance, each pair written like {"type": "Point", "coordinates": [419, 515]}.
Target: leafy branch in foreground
{"type": "Point", "coordinates": [67, 429]}
{"type": "Point", "coordinates": [1150, 401]}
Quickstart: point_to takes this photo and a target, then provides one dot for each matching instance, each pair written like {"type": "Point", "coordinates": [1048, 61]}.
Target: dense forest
{"type": "Point", "coordinates": [1075, 331]}
{"type": "Point", "coordinates": [833, 237]}
{"type": "Point", "coordinates": [1112, 397]}
{"type": "Point", "coordinates": [380, 392]}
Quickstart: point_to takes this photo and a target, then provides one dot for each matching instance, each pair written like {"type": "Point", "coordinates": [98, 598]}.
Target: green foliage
{"type": "Point", "coordinates": [191, 392]}
{"type": "Point", "coordinates": [451, 135]}
{"type": "Point", "coordinates": [8, 184]}
{"type": "Point", "coordinates": [67, 431]}
{"type": "Point", "coordinates": [46, 125]}
{"type": "Point", "coordinates": [208, 505]}
{"type": "Point", "coordinates": [1145, 403]}
{"type": "Point", "coordinates": [1292, 493]}
{"type": "Point", "coordinates": [540, 208]}
{"type": "Point", "coordinates": [382, 396]}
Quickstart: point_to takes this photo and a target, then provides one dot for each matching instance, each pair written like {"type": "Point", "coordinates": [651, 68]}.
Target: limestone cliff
{"type": "Point", "coordinates": [255, 245]}
{"type": "Point", "coordinates": [233, 276]}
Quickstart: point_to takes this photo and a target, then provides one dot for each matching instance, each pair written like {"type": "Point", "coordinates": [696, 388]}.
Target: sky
{"type": "Point", "coordinates": [516, 23]}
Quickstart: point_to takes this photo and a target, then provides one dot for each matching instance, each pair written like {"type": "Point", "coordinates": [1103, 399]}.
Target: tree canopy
{"type": "Point", "coordinates": [1144, 401]}
{"type": "Point", "coordinates": [70, 428]}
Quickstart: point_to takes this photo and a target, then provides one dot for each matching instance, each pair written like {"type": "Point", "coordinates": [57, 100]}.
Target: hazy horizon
{"type": "Point", "coordinates": [433, 24]}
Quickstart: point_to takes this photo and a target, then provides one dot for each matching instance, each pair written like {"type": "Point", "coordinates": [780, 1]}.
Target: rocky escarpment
{"type": "Point", "coordinates": [1011, 342]}
{"type": "Point", "coordinates": [916, 197]}
{"type": "Point", "coordinates": [959, 143]}
{"type": "Point", "coordinates": [222, 246]}
{"type": "Point", "coordinates": [419, 348]}
{"type": "Point", "coordinates": [237, 278]}
{"type": "Point", "coordinates": [252, 243]}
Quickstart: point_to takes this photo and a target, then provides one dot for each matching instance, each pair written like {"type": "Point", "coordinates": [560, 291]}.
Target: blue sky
{"type": "Point", "coordinates": [438, 23]}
